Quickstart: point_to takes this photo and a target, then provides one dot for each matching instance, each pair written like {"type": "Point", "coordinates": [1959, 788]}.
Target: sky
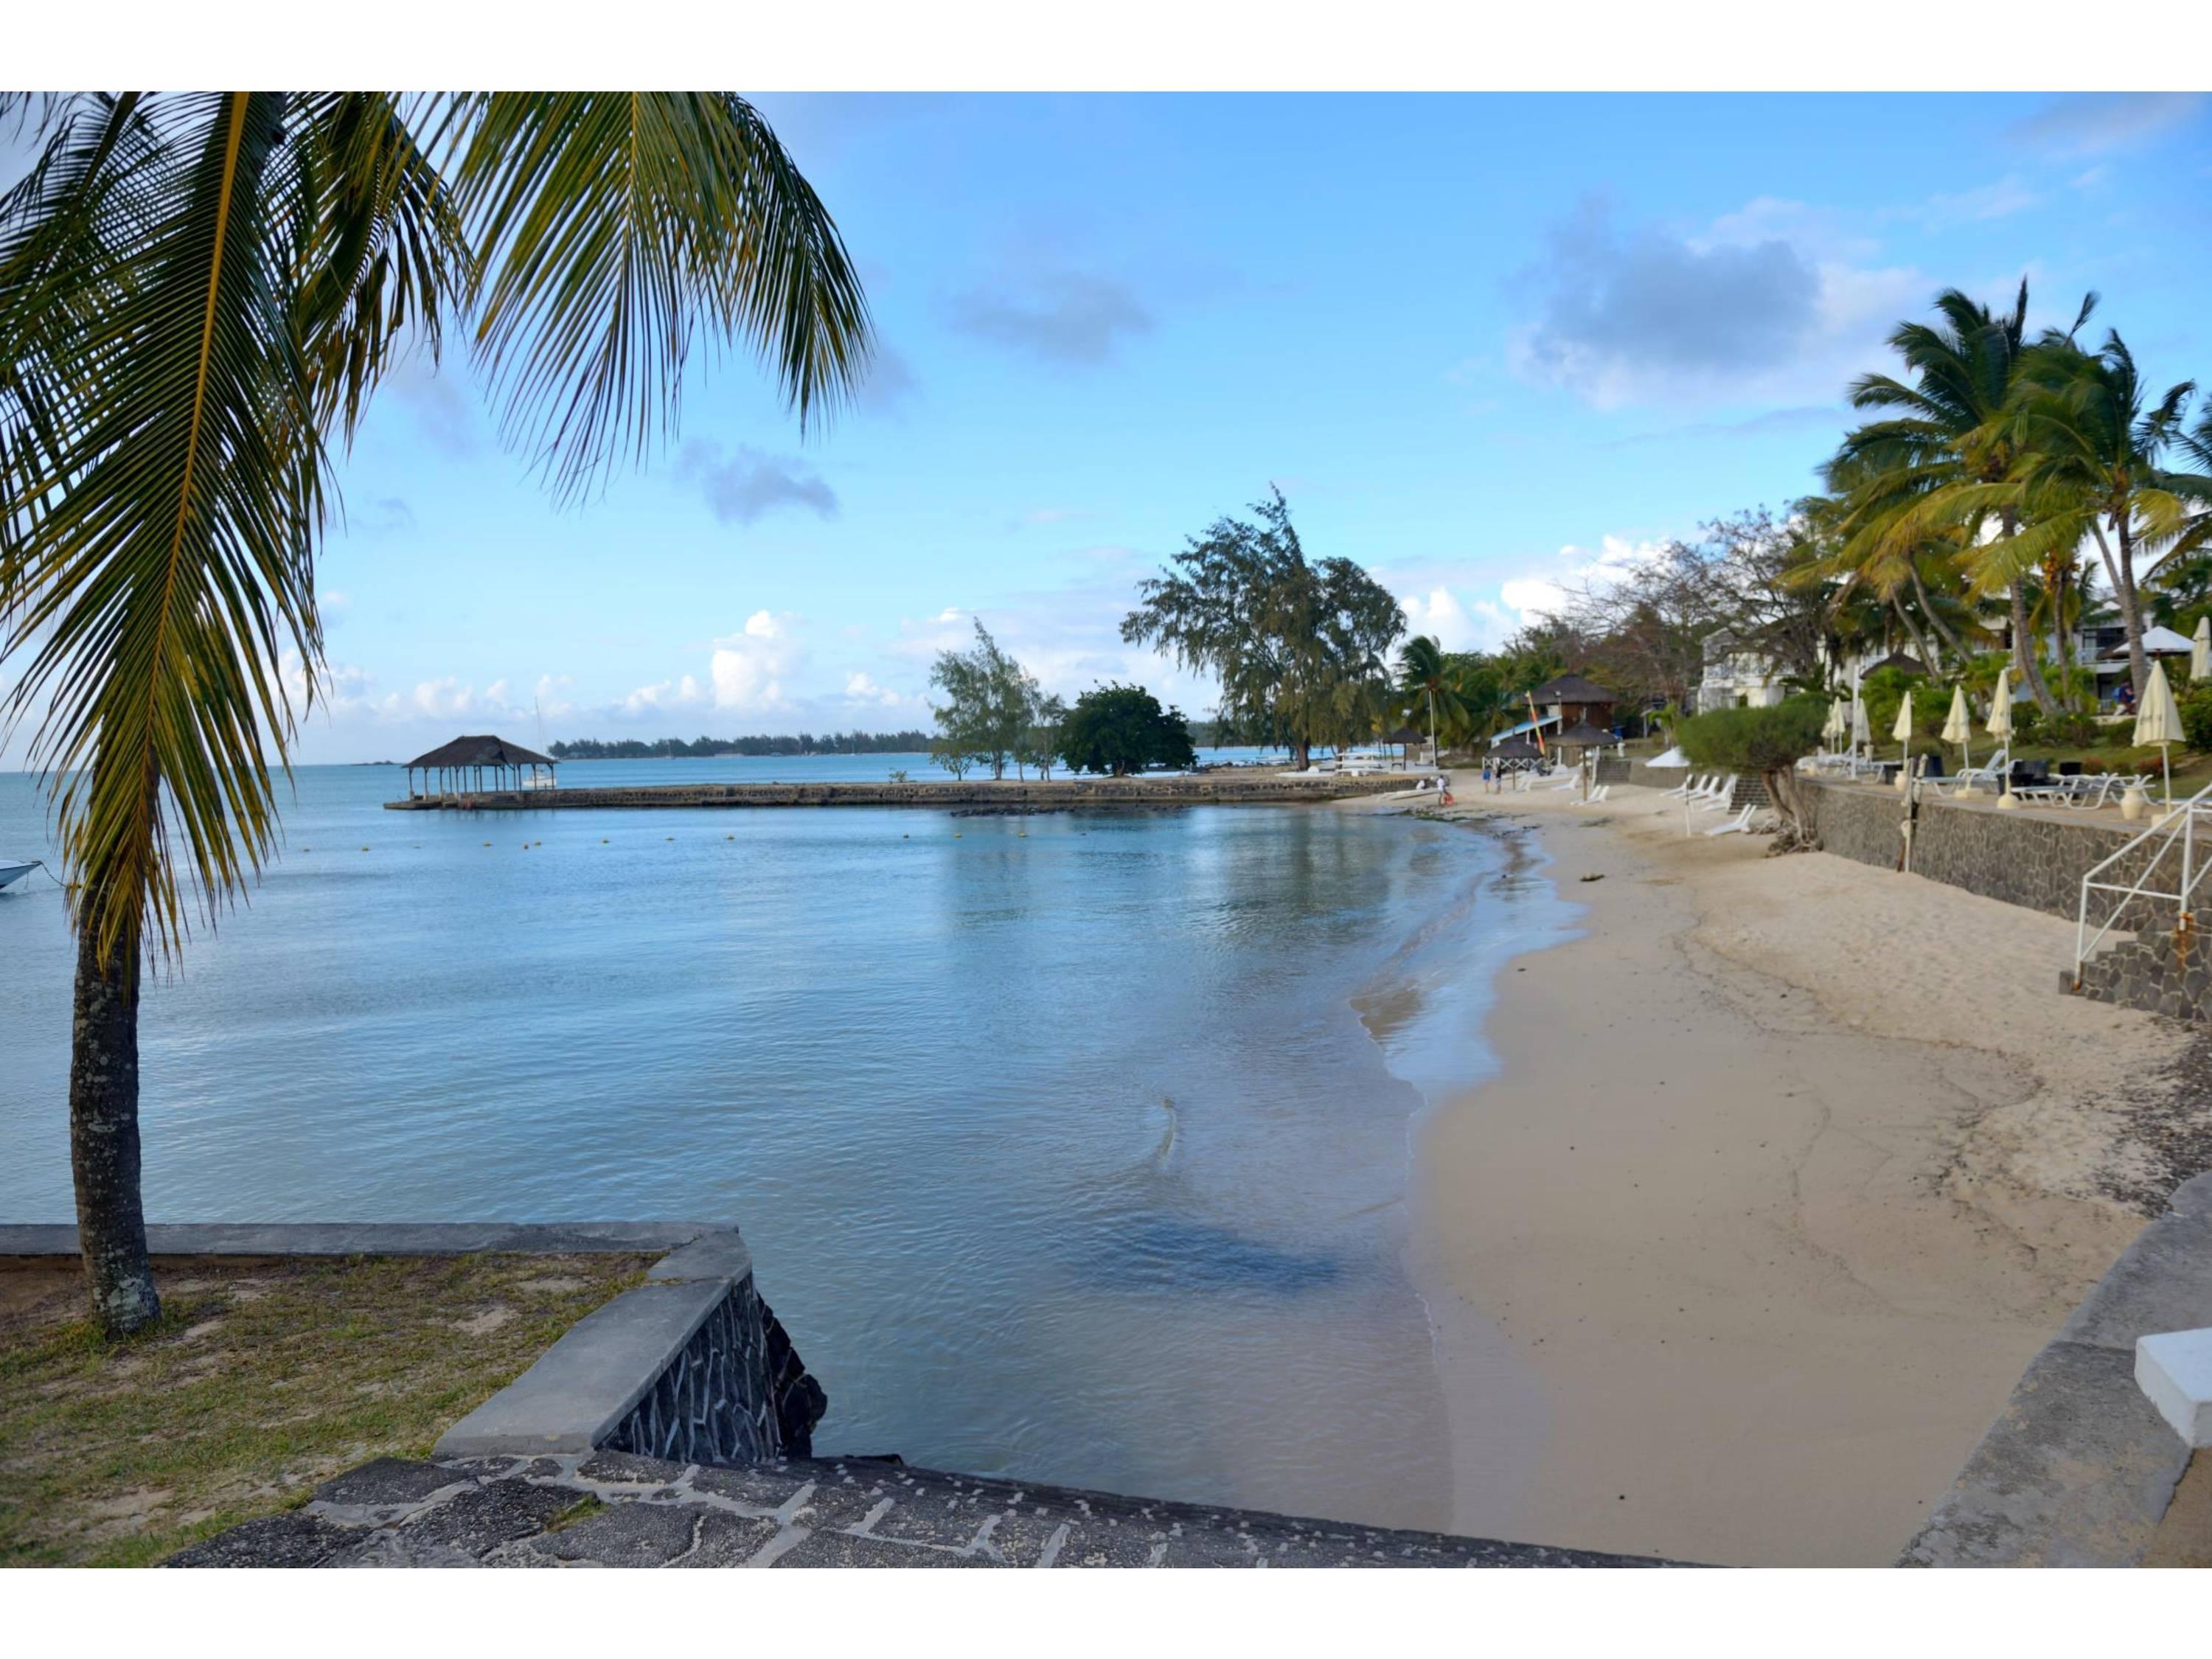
{"type": "Point", "coordinates": [1484, 345]}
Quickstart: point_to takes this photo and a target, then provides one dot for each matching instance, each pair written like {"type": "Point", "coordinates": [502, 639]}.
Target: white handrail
{"type": "Point", "coordinates": [2177, 823]}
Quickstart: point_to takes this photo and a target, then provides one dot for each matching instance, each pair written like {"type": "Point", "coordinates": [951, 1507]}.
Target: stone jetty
{"type": "Point", "coordinates": [1252, 787]}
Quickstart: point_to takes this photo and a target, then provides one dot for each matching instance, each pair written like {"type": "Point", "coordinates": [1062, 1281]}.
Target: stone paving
{"type": "Point", "coordinates": [612, 1509]}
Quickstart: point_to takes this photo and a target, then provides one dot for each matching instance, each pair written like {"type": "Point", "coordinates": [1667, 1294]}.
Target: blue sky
{"type": "Point", "coordinates": [1483, 344]}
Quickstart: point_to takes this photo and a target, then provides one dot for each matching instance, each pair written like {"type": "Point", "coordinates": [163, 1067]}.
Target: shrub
{"type": "Point", "coordinates": [1770, 741]}
{"type": "Point", "coordinates": [2025, 718]}
{"type": "Point", "coordinates": [2197, 714]}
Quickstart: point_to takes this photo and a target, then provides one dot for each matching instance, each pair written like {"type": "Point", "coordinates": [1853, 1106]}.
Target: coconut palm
{"type": "Point", "coordinates": [1920, 479]}
{"type": "Point", "coordinates": [1424, 670]}
{"type": "Point", "coordinates": [2088, 442]}
{"type": "Point", "coordinates": [199, 295]}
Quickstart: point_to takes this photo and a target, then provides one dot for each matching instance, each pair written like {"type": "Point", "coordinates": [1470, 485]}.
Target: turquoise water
{"type": "Point", "coordinates": [1070, 1147]}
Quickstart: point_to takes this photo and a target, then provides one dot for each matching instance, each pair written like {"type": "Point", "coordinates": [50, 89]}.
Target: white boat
{"type": "Point", "coordinates": [14, 869]}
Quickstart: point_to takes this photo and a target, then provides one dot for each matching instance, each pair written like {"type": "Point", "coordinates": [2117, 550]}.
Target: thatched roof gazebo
{"type": "Point", "coordinates": [1515, 755]}
{"type": "Point", "coordinates": [462, 766]}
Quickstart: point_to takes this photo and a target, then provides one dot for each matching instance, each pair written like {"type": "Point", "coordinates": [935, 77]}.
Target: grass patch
{"type": "Point", "coordinates": [262, 1378]}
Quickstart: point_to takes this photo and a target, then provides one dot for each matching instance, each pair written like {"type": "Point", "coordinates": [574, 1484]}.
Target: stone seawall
{"type": "Point", "coordinates": [1262, 788]}
{"type": "Point", "coordinates": [2028, 857]}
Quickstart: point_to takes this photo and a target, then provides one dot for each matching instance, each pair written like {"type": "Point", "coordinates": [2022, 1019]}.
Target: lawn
{"type": "Point", "coordinates": [264, 1376]}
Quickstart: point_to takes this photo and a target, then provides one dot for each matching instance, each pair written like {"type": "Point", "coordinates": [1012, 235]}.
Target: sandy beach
{"type": "Point", "coordinates": [1789, 1167]}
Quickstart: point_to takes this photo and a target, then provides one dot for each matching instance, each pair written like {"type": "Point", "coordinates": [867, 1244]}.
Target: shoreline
{"type": "Point", "coordinates": [1786, 1169]}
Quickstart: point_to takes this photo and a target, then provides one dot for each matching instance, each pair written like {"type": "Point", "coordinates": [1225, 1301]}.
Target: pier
{"type": "Point", "coordinates": [1254, 787]}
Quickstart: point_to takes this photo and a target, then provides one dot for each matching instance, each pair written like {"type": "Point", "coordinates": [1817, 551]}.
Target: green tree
{"type": "Point", "coordinates": [1040, 744]}
{"type": "Point", "coordinates": [1769, 741]}
{"type": "Point", "coordinates": [1425, 671]}
{"type": "Point", "coordinates": [2089, 442]}
{"type": "Point", "coordinates": [990, 703]}
{"type": "Point", "coordinates": [200, 292]}
{"type": "Point", "coordinates": [1121, 729]}
{"type": "Point", "coordinates": [1298, 647]}
{"type": "Point", "coordinates": [1921, 478]}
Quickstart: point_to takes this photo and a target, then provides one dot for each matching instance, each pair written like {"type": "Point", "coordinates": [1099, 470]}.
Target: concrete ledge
{"type": "Point", "coordinates": [588, 1382]}
{"type": "Point", "coordinates": [722, 1257]}
{"type": "Point", "coordinates": [2080, 1468]}
{"type": "Point", "coordinates": [381, 1238]}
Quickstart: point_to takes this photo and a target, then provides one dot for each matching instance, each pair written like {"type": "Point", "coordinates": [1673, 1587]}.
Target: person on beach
{"type": "Point", "coordinates": [1486, 781]}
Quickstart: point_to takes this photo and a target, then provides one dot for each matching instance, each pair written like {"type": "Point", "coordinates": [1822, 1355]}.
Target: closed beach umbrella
{"type": "Point", "coordinates": [1903, 730]}
{"type": "Point", "coordinates": [1838, 728]}
{"type": "Point", "coordinates": [1959, 724]}
{"type": "Point", "coordinates": [2159, 721]}
{"type": "Point", "coordinates": [1859, 731]}
{"type": "Point", "coordinates": [2200, 651]}
{"type": "Point", "coordinates": [2000, 727]}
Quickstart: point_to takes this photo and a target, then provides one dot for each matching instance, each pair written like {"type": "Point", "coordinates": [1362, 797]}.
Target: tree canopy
{"type": "Point", "coordinates": [990, 707]}
{"type": "Point", "coordinates": [1298, 648]}
{"type": "Point", "coordinates": [1121, 729]}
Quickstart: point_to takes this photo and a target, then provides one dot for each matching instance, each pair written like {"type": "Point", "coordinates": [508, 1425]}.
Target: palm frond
{"type": "Point", "coordinates": [168, 548]}
{"type": "Point", "coordinates": [616, 227]}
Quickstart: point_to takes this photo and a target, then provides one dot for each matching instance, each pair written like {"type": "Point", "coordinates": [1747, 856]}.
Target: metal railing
{"type": "Point", "coordinates": [2178, 825]}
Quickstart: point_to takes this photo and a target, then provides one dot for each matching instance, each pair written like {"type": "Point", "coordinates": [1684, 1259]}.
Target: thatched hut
{"type": "Point", "coordinates": [473, 765]}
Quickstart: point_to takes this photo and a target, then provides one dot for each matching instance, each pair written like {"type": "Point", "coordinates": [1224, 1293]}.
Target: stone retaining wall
{"type": "Point", "coordinates": [692, 1365]}
{"type": "Point", "coordinates": [2022, 858]}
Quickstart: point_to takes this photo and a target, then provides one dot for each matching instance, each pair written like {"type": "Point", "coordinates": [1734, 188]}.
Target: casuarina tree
{"type": "Point", "coordinates": [1298, 647]}
{"type": "Point", "coordinates": [199, 294]}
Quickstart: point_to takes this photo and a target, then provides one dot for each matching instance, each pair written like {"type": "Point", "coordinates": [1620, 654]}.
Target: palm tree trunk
{"type": "Point", "coordinates": [2121, 569]}
{"type": "Point", "coordinates": [2023, 655]}
{"type": "Point", "coordinates": [1928, 610]}
{"type": "Point", "coordinates": [110, 1218]}
{"type": "Point", "coordinates": [1912, 632]}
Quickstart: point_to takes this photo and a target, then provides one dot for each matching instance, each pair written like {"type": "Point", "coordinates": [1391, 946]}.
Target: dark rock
{"type": "Point", "coordinates": [276, 1541]}
{"type": "Point", "coordinates": [483, 1517]}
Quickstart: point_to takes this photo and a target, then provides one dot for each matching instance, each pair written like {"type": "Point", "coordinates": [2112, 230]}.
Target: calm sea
{"type": "Point", "coordinates": [1071, 1147]}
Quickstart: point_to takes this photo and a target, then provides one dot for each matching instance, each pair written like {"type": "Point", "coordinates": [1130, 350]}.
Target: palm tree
{"type": "Point", "coordinates": [1920, 478]}
{"type": "Point", "coordinates": [2086, 442]}
{"type": "Point", "coordinates": [198, 293]}
{"type": "Point", "coordinates": [1424, 670]}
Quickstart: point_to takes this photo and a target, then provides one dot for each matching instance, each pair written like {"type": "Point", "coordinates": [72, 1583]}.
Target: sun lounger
{"type": "Point", "coordinates": [1718, 799]}
{"type": "Point", "coordinates": [1738, 825]}
{"type": "Point", "coordinates": [1596, 796]}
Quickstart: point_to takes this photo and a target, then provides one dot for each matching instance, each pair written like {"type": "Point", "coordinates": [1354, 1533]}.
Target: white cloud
{"type": "Point", "coordinates": [749, 668]}
{"type": "Point", "coordinates": [1441, 615]}
{"type": "Point", "coordinates": [444, 697]}
{"type": "Point", "coordinates": [682, 693]}
{"type": "Point", "coordinates": [861, 691]}
{"type": "Point", "coordinates": [1468, 608]}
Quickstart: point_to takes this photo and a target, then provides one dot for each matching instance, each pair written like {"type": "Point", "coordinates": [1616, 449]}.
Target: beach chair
{"type": "Point", "coordinates": [1596, 796]}
{"type": "Point", "coordinates": [1681, 790]}
{"type": "Point", "coordinates": [1738, 825]}
{"type": "Point", "coordinates": [1718, 798]}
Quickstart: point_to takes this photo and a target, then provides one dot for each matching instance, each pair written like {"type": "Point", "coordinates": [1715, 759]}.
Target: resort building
{"type": "Point", "coordinates": [1735, 678]}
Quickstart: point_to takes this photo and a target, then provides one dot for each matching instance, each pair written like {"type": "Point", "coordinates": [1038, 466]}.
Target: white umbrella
{"type": "Point", "coordinates": [2000, 727]}
{"type": "Point", "coordinates": [1839, 725]}
{"type": "Point", "coordinates": [2159, 721]}
{"type": "Point", "coordinates": [2200, 651]}
{"type": "Point", "coordinates": [2164, 642]}
{"type": "Point", "coordinates": [1903, 731]}
{"type": "Point", "coordinates": [1959, 725]}
{"type": "Point", "coordinates": [1860, 732]}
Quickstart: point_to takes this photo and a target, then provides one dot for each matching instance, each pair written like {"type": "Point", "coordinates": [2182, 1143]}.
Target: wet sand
{"type": "Point", "coordinates": [1791, 1166]}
